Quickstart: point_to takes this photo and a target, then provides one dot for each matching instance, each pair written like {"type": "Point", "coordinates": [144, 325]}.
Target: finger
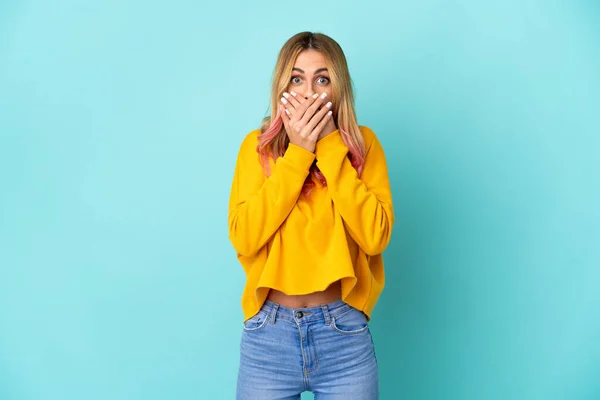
{"type": "Point", "coordinates": [318, 117]}
{"type": "Point", "coordinates": [287, 108]}
{"type": "Point", "coordinates": [317, 131]}
{"type": "Point", "coordinates": [287, 105]}
{"type": "Point", "coordinates": [312, 109]}
{"type": "Point", "coordinates": [285, 116]}
{"type": "Point", "coordinates": [308, 102]}
{"type": "Point", "coordinates": [292, 99]}
{"type": "Point", "coordinates": [303, 104]}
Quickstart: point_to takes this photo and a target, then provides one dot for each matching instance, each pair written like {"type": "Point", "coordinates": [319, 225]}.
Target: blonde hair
{"type": "Point", "coordinates": [273, 139]}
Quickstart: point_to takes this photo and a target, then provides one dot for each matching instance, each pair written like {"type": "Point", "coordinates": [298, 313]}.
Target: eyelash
{"type": "Point", "coordinates": [297, 76]}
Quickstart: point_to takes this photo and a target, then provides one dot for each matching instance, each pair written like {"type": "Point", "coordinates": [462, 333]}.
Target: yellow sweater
{"type": "Point", "coordinates": [297, 244]}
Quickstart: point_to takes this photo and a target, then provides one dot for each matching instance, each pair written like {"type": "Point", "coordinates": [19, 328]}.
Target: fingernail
{"type": "Point", "coordinates": [324, 95]}
{"type": "Point", "coordinates": [286, 95]}
{"type": "Point", "coordinates": [328, 104]}
{"type": "Point", "coordinates": [293, 93]}
{"type": "Point", "coordinates": [284, 100]}
{"type": "Point", "coordinates": [315, 95]}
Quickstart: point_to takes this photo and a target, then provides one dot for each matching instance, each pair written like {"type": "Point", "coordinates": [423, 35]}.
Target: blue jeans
{"type": "Point", "coordinates": [327, 349]}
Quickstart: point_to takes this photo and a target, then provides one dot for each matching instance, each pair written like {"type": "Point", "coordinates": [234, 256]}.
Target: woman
{"type": "Point", "coordinates": [310, 213]}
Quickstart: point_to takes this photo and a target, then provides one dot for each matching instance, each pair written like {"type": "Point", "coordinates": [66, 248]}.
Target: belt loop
{"type": "Point", "coordinates": [273, 312]}
{"type": "Point", "coordinates": [326, 314]}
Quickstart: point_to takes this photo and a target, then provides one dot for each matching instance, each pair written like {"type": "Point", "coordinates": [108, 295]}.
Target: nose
{"type": "Point", "coordinates": [309, 91]}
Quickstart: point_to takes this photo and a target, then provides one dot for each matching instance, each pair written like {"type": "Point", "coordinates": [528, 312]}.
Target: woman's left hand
{"type": "Point", "coordinates": [328, 129]}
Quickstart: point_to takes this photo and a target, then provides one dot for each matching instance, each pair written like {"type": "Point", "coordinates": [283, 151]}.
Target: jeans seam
{"type": "Point", "coordinates": [258, 328]}
{"type": "Point", "coordinates": [355, 332]}
{"type": "Point", "coordinates": [339, 314]}
{"type": "Point", "coordinates": [301, 350]}
{"type": "Point", "coordinates": [312, 336]}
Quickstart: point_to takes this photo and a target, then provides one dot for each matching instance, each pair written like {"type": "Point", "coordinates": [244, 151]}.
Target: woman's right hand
{"type": "Point", "coordinates": [304, 121]}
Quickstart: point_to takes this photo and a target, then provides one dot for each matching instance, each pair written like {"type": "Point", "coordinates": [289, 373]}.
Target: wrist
{"type": "Point", "coordinates": [327, 130]}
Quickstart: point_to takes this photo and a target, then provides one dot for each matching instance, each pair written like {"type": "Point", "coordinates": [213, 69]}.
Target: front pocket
{"type": "Point", "coordinates": [256, 322]}
{"type": "Point", "coordinates": [350, 323]}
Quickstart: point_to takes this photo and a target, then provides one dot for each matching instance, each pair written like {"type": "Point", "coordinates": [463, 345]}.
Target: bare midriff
{"type": "Point", "coordinates": [332, 293]}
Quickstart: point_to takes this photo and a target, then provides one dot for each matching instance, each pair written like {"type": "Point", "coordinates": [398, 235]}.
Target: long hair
{"type": "Point", "coordinates": [273, 140]}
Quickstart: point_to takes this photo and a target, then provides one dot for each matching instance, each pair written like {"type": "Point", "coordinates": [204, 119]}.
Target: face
{"type": "Point", "coordinates": [310, 75]}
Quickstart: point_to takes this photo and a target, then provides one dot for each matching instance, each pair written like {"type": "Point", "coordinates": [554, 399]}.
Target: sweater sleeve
{"type": "Point", "coordinates": [364, 203]}
{"type": "Point", "coordinates": [258, 205]}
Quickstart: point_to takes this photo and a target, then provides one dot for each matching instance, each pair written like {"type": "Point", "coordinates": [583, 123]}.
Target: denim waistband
{"type": "Point", "coordinates": [277, 311]}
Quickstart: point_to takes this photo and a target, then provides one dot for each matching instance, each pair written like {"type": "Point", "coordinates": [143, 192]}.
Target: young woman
{"type": "Point", "coordinates": [310, 213]}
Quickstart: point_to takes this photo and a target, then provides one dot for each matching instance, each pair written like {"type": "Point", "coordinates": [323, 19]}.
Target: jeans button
{"type": "Point", "coordinates": [299, 314]}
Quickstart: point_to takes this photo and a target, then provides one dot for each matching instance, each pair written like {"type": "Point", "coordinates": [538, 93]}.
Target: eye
{"type": "Point", "coordinates": [324, 81]}
{"type": "Point", "coordinates": [296, 79]}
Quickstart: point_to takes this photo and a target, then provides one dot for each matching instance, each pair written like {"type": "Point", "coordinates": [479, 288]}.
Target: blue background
{"type": "Point", "coordinates": [120, 122]}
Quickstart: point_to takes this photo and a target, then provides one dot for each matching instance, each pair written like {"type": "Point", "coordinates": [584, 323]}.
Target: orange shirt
{"type": "Point", "coordinates": [298, 244]}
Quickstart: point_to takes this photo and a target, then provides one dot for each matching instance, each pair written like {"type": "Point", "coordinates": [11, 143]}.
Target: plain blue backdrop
{"type": "Point", "coordinates": [120, 122]}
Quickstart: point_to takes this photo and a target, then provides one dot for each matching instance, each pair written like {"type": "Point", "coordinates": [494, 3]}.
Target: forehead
{"type": "Point", "coordinates": [310, 60]}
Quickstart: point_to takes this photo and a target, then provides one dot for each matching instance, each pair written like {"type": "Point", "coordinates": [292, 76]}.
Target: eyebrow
{"type": "Point", "coordinates": [317, 71]}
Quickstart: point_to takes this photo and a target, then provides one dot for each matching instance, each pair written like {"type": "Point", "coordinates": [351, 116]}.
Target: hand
{"type": "Point", "coordinates": [303, 120]}
{"type": "Point", "coordinates": [330, 127]}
